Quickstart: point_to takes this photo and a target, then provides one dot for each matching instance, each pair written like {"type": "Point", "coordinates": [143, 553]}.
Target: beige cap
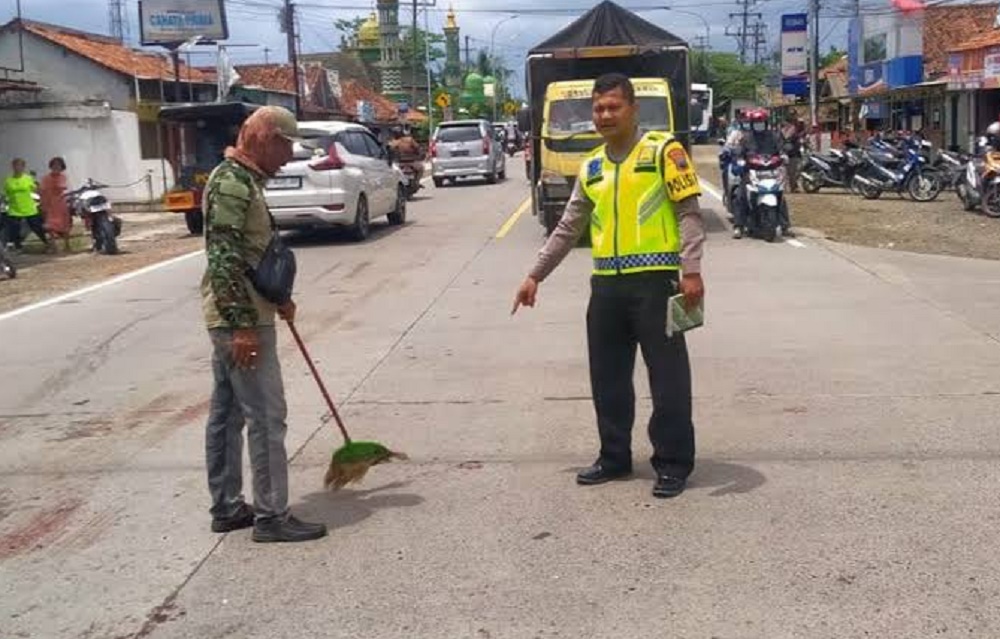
{"type": "Point", "coordinates": [280, 118]}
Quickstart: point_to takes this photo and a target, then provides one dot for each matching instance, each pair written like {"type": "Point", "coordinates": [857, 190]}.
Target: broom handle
{"type": "Point", "coordinates": [319, 381]}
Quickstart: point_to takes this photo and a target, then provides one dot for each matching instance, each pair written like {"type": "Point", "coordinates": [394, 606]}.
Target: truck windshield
{"type": "Point", "coordinates": [567, 117]}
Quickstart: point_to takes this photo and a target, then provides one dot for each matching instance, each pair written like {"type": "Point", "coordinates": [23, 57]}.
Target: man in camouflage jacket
{"type": "Point", "coordinates": [241, 323]}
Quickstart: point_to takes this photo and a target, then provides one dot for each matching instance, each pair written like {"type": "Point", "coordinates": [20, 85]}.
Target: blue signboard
{"type": "Point", "coordinates": [794, 54]}
{"type": "Point", "coordinates": [854, 56]}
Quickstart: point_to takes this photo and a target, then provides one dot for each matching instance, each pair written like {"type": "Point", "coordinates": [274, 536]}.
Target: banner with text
{"type": "Point", "coordinates": [794, 54]}
{"type": "Point", "coordinates": [171, 22]}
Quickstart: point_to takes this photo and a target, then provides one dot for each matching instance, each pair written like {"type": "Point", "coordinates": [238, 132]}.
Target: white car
{"type": "Point", "coordinates": [340, 176]}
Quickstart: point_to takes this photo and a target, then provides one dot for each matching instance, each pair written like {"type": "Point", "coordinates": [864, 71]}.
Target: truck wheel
{"type": "Point", "coordinates": [195, 222]}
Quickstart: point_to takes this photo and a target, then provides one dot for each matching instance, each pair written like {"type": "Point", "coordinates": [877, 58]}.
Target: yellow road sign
{"type": "Point", "coordinates": [443, 100]}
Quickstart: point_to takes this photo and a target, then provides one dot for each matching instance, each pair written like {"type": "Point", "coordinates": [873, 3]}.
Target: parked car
{"type": "Point", "coordinates": [340, 176]}
{"type": "Point", "coordinates": [467, 148]}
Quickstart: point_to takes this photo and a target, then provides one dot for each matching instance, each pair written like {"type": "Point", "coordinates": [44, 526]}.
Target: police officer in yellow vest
{"type": "Point", "coordinates": [638, 195]}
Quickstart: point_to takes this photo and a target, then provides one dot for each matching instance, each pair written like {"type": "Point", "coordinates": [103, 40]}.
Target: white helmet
{"type": "Point", "coordinates": [993, 129]}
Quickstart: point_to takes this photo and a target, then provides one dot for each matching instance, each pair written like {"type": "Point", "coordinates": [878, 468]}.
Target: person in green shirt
{"type": "Point", "coordinates": [19, 189]}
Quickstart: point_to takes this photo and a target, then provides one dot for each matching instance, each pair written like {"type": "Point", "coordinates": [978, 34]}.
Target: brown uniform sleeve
{"type": "Point", "coordinates": [573, 223]}
{"type": "Point", "coordinates": [692, 234]}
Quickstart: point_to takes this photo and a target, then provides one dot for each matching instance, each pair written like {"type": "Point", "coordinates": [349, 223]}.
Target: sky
{"type": "Point", "coordinates": [254, 22]}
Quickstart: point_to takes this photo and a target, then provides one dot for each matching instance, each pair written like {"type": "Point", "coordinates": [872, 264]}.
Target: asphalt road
{"type": "Point", "coordinates": [846, 406]}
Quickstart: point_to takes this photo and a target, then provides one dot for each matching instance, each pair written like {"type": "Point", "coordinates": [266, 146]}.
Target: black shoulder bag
{"type": "Point", "coordinates": [274, 276]}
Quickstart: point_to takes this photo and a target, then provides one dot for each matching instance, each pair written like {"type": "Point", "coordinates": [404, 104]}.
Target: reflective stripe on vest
{"type": "Point", "coordinates": [633, 226]}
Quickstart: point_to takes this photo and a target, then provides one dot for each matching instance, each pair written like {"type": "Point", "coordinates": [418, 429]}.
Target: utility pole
{"type": "Point", "coordinates": [759, 39]}
{"type": "Point", "coordinates": [742, 33]}
{"type": "Point", "coordinates": [118, 20]}
{"type": "Point", "coordinates": [267, 51]}
{"type": "Point", "coordinates": [413, 60]}
{"type": "Point", "coordinates": [814, 70]}
{"type": "Point", "coordinates": [288, 24]}
{"type": "Point", "coordinates": [468, 64]}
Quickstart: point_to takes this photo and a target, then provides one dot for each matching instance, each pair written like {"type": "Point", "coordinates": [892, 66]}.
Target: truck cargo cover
{"type": "Point", "coordinates": [608, 24]}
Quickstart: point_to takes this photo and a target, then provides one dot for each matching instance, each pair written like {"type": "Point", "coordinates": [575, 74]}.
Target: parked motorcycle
{"type": "Point", "coordinates": [970, 185]}
{"type": "Point", "coordinates": [989, 180]}
{"type": "Point", "coordinates": [951, 167]}
{"type": "Point", "coordinates": [6, 264]}
{"type": "Point", "coordinates": [835, 169]}
{"type": "Point", "coordinates": [882, 170]}
{"type": "Point", "coordinates": [764, 195]}
{"type": "Point", "coordinates": [88, 203]}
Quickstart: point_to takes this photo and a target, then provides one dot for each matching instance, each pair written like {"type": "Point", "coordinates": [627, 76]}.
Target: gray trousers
{"type": "Point", "coordinates": [792, 175]}
{"type": "Point", "coordinates": [255, 397]}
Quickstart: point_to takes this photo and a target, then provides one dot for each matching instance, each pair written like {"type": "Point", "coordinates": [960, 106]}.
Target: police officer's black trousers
{"type": "Point", "coordinates": [627, 311]}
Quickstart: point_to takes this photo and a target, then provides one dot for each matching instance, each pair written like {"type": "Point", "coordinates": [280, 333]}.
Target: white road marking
{"type": "Point", "coordinates": [708, 188]}
{"type": "Point", "coordinates": [795, 243]}
{"type": "Point", "coordinates": [124, 277]}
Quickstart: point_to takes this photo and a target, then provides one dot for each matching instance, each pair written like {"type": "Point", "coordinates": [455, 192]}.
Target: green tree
{"type": "Point", "coordinates": [433, 41]}
{"type": "Point", "coordinates": [731, 79]}
{"type": "Point", "coordinates": [832, 56]}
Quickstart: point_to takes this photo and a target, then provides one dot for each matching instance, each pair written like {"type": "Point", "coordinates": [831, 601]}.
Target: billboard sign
{"type": "Point", "coordinates": [794, 54]}
{"type": "Point", "coordinates": [171, 22]}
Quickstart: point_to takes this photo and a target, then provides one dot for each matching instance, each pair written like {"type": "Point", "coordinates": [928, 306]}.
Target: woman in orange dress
{"type": "Point", "coordinates": [58, 221]}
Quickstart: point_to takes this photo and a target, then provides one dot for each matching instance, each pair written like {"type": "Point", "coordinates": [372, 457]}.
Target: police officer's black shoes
{"type": "Point", "coordinates": [667, 486]}
{"type": "Point", "coordinates": [598, 474]}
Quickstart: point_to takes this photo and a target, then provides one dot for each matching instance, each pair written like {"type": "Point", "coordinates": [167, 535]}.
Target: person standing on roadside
{"type": "Point", "coordinates": [638, 195]}
{"type": "Point", "coordinates": [55, 209]}
{"type": "Point", "coordinates": [792, 134]}
{"type": "Point", "coordinates": [19, 189]}
{"type": "Point", "coordinates": [248, 385]}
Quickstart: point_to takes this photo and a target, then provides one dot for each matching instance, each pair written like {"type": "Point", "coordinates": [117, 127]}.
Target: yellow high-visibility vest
{"type": "Point", "coordinates": [633, 227]}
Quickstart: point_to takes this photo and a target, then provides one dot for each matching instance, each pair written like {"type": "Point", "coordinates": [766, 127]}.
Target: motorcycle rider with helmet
{"type": "Point", "coordinates": [757, 139]}
{"type": "Point", "coordinates": [730, 147]}
{"type": "Point", "coordinates": [407, 151]}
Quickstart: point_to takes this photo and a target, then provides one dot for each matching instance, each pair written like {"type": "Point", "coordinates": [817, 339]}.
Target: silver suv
{"type": "Point", "coordinates": [467, 148]}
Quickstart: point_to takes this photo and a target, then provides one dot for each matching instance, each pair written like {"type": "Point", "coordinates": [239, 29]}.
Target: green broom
{"type": "Point", "coordinates": [351, 461]}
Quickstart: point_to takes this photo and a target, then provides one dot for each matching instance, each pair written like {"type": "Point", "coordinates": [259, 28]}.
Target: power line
{"type": "Point", "coordinates": [742, 33]}
{"type": "Point", "coordinates": [118, 20]}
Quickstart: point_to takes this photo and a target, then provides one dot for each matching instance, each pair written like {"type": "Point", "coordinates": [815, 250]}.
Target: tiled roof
{"type": "Point", "coordinates": [277, 77]}
{"type": "Point", "coordinates": [273, 77]}
{"type": "Point", "coordinates": [109, 53]}
{"type": "Point", "coordinates": [947, 26]}
{"type": "Point", "coordinates": [348, 65]}
{"type": "Point", "coordinates": [982, 41]}
{"type": "Point", "coordinates": [353, 91]}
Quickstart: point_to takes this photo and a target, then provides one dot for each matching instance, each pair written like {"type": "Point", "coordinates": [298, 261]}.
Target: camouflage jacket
{"type": "Point", "coordinates": [237, 230]}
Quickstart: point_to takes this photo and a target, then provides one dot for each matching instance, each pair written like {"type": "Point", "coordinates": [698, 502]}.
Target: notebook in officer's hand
{"type": "Point", "coordinates": [680, 319]}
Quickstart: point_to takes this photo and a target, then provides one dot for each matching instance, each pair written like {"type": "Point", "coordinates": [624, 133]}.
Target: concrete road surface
{"type": "Point", "coordinates": [847, 403]}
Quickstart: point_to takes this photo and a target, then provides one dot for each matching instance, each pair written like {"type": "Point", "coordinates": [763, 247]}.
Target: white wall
{"type": "Point", "coordinates": [904, 34]}
{"type": "Point", "coordinates": [65, 76]}
{"type": "Point", "coordinates": [102, 144]}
